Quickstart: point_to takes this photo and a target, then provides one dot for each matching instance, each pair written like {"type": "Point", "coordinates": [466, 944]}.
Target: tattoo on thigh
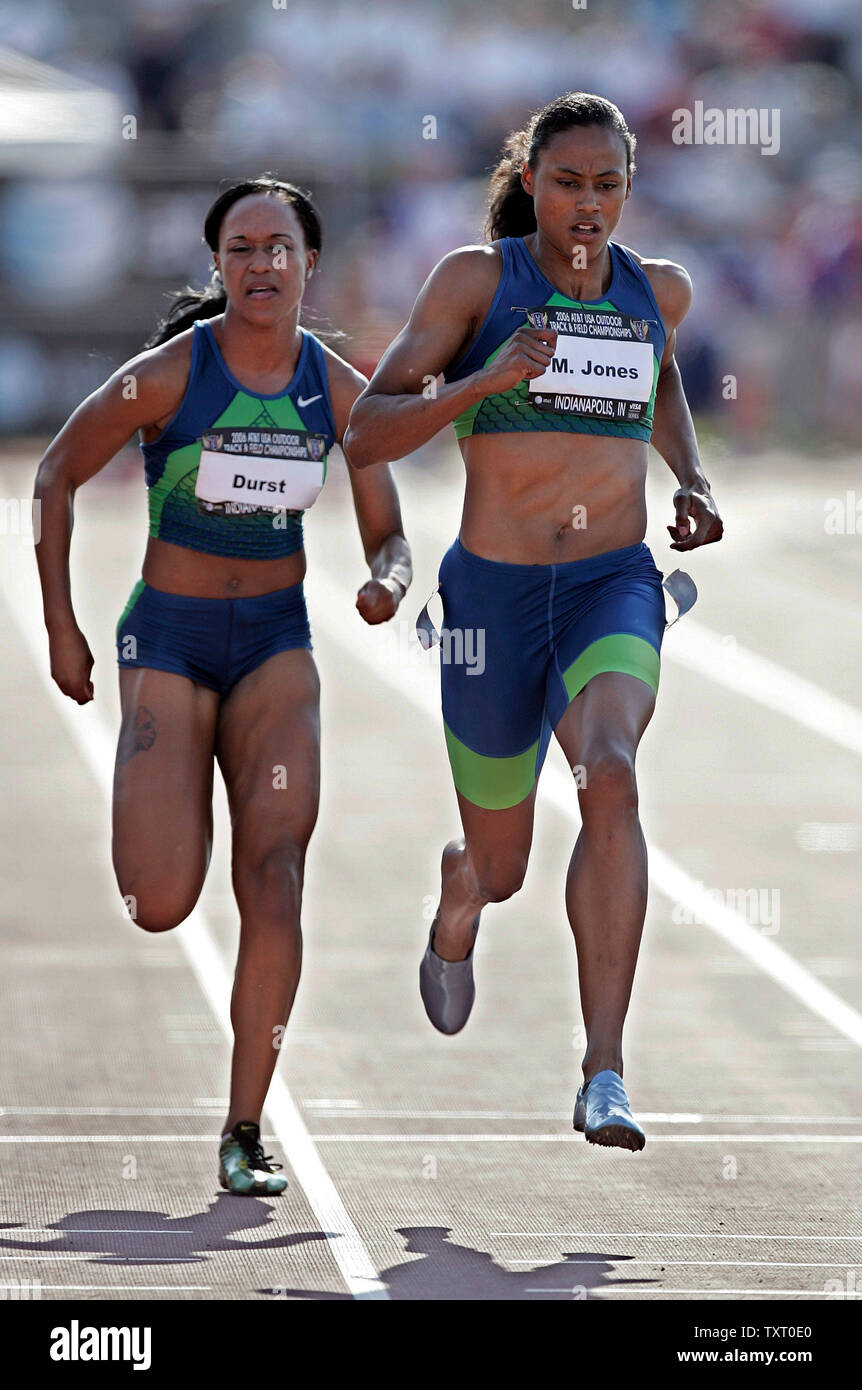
{"type": "Point", "coordinates": [140, 737]}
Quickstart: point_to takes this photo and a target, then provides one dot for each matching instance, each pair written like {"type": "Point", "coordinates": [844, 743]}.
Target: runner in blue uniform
{"type": "Point", "coordinates": [556, 349]}
{"type": "Point", "coordinates": [238, 407]}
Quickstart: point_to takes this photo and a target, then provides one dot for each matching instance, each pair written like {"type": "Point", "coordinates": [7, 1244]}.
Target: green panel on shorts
{"type": "Point", "coordinates": [133, 598]}
{"type": "Point", "coordinates": [619, 651]}
{"type": "Point", "coordinates": [492, 783]}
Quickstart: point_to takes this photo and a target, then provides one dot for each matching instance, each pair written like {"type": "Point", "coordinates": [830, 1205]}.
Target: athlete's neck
{"type": "Point", "coordinates": [259, 349]}
{"type": "Point", "coordinates": [592, 282]}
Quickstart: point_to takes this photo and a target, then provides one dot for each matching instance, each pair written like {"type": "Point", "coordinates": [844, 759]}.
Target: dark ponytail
{"type": "Point", "coordinates": [191, 304]}
{"type": "Point", "coordinates": [510, 208]}
{"type": "Point", "coordinates": [186, 306]}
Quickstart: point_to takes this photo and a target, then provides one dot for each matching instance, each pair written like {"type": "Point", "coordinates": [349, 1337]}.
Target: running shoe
{"type": "Point", "coordinates": [244, 1169]}
{"type": "Point", "coordinates": [447, 986]}
{"type": "Point", "coordinates": [603, 1116]}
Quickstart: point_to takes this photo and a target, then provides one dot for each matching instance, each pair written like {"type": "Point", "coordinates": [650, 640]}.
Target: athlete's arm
{"type": "Point", "coordinates": [673, 432]}
{"type": "Point", "coordinates": [404, 405]}
{"type": "Point", "coordinates": [145, 391]}
{"type": "Point", "coordinates": [375, 500]}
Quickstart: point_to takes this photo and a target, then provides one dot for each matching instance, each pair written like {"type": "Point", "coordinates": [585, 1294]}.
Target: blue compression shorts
{"type": "Point", "coordinates": [520, 641]}
{"type": "Point", "coordinates": [213, 641]}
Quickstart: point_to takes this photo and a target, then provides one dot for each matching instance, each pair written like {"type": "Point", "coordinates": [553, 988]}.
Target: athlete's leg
{"type": "Point", "coordinates": [606, 888]}
{"type": "Point", "coordinates": [487, 865]}
{"type": "Point", "coordinates": [268, 748]}
{"type": "Point", "coordinates": [493, 713]}
{"type": "Point", "coordinates": [162, 805]}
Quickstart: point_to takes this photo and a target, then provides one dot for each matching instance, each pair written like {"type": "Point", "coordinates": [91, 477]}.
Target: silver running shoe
{"type": "Point", "coordinates": [603, 1116]}
{"type": "Point", "coordinates": [447, 986]}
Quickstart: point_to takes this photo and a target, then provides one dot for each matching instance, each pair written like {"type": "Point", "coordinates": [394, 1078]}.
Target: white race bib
{"type": "Point", "coordinates": [249, 470]}
{"type": "Point", "coordinates": [602, 365]}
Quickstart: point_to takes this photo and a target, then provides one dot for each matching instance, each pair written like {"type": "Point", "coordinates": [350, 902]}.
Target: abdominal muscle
{"type": "Point", "coordinates": [545, 498]}
{"type": "Point", "coordinates": [175, 569]}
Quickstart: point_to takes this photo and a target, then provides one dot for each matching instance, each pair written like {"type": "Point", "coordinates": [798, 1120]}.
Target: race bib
{"type": "Point", "coordinates": [602, 365]}
{"type": "Point", "coordinates": [259, 470]}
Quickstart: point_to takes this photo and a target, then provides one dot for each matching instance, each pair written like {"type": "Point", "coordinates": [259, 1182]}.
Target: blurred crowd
{"type": "Point", "coordinates": [343, 98]}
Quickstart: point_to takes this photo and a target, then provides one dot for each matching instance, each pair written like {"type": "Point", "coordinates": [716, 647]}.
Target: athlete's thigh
{"type": "Point", "coordinates": [602, 687]}
{"type": "Point", "coordinates": [610, 713]}
{"type": "Point", "coordinates": [493, 671]}
{"type": "Point", "coordinates": [162, 804]}
{"type": "Point", "coordinates": [498, 842]}
{"type": "Point", "coordinates": [268, 748]}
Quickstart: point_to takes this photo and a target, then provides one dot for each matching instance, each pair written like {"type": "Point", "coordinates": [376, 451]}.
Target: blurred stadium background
{"type": "Point", "coordinates": [118, 122]}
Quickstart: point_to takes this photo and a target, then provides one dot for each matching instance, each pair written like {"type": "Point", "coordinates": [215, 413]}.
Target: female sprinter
{"type": "Point", "coordinates": [237, 408]}
{"type": "Point", "coordinates": [554, 409]}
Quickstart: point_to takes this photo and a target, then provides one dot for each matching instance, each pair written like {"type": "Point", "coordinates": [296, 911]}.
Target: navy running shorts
{"type": "Point", "coordinates": [520, 641]}
{"type": "Point", "coordinates": [213, 641]}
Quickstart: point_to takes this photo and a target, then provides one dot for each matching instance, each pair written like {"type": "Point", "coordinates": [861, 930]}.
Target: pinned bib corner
{"type": "Point", "coordinates": [683, 591]}
{"type": "Point", "coordinates": [425, 630]}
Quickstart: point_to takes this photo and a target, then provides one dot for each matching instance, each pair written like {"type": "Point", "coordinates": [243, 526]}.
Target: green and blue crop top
{"type": "Point", "coordinates": [233, 471]}
{"type": "Point", "coordinates": [604, 374]}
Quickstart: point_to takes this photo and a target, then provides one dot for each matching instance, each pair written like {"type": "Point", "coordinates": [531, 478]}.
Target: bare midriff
{"type": "Point", "coordinates": [178, 570]}
{"type": "Point", "coordinates": [545, 498]}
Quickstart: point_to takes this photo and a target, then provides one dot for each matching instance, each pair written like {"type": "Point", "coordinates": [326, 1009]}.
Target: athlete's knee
{"type": "Point", "coordinates": [159, 914]}
{"type": "Point", "coordinates": [609, 776]}
{"type": "Point", "coordinates": [273, 878]}
{"type": "Point", "coordinates": [497, 880]}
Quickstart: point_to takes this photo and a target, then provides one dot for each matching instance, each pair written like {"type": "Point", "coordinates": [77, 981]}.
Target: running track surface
{"type": "Point", "coordinates": [425, 1167]}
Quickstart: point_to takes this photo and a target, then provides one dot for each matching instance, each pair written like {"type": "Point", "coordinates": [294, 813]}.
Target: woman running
{"type": "Point", "coordinates": [556, 346]}
{"type": "Point", "coordinates": [237, 408]}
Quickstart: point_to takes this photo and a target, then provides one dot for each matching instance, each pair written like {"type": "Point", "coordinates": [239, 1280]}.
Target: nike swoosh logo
{"type": "Point", "coordinates": [300, 402]}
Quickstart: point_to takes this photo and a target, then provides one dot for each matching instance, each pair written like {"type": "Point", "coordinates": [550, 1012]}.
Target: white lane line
{"type": "Point", "coordinates": [87, 1231]}
{"type": "Point", "coordinates": [132, 1111]}
{"type": "Point", "coordinates": [533, 1116]}
{"type": "Point", "coordinates": [578, 1138]}
{"type": "Point", "coordinates": [752, 1294]}
{"type": "Point", "coordinates": [651, 1117]}
{"type": "Point", "coordinates": [623, 1262]}
{"type": "Point", "coordinates": [762, 951]}
{"type": "Point", "coordinates": [95, 743]}
{"type": "Point", "coordinates": [416, 681]}
{"type": "Point", "coordinates": [110, 1288]}
{"type": "Point", "coordinates": [332, 1104]}
{"type": "Point", "coordinates": [342, 1236]}
{"type": "Point", "coordinates": [434, 1138]}
{"type": "Point", "coordinates": [757, 678]}
{"type": "Point", "coordinates": [663, 1235]}
{"type": "Point", "coordinates": [129, 1139]}
{"type": "Point", "coordinates": [620, 1263]}
{"type": "Point", "coordinates": [69, 1257]}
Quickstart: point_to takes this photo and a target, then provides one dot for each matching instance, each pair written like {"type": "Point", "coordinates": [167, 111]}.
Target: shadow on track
{"type": "Point", "coordinates": [449, 1272]}
{"type": "Point", "coordinates": [154, 1238]}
